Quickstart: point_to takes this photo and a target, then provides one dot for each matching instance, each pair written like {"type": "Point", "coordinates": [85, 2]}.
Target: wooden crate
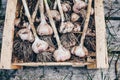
{"type": "Point", "coordinates": [101, 60]}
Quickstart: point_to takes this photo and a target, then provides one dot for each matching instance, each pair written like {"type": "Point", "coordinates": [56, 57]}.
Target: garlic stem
{"type": "Point", "coordinates": [55, 5]}
{"type": "Point", "coordinates": [35, 12]}
{"type": "Point", "coordinates": [29, 18]}
{"type": "Point", "coordinates": [61, 11]}
{"type": "Point", "coordinates": [41, 7]}
{"type": "Point", "coordinates": [86, 23]}
{"type": "Point", "coordinates": [53, 24]}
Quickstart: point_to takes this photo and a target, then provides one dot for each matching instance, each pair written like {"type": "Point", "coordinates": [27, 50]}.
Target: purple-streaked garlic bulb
{"type": "Point", "coordinates": [77, 27]}
{"type": "Point", "coordinates": [79, 5]}
{"type": "Point", "coordinates": [39, 45]}
{"type": "Point", "coordinates": [74, 17]}
{"type": "Point", "coordinates": [55, 14]}
{"type": "Point", "coordinates": [79, 51]}
{"type": "Point", "coordinates": [66, 27]}
{"type": "Point", "coordinates": [43, 28]}
{"type": "Point", "coordinates": [61, 54]}
{"type": "Point", "coordinates": [66, 7]}
{"type": "Point", "coordinates": [26, 34]}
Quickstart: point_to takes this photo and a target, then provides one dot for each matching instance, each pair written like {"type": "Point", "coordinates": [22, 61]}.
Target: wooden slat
{"type": "Point", "coordinates": [75, 64]}
{"type": "Point", "coordinates": [101, 48]}
{"type": "Point", "coordinates": [7, 40]}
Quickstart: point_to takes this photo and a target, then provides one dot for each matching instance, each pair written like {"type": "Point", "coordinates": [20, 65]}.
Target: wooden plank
{"type": "Point", "coordinates": [7, 41]}
{"type": "Point", "coordinates": [101, 48]}
{"type": "Point", "coordinates": [75, 64]}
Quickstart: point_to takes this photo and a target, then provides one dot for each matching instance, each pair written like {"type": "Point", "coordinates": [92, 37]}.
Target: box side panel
{"type": "Point", "coordinates": [101, 48]}
{"type": "Point", "coordinates": [8, 35]}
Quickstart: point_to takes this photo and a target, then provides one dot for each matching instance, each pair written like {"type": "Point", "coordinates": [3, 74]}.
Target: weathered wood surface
{"type": "Point", "coordinates": [101, 48]}
{"type": "Point", "coordinates": [7, 39]}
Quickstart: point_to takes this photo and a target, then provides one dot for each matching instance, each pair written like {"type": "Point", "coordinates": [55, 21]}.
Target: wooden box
{"type": "Point", "coordinates": [101, 60]}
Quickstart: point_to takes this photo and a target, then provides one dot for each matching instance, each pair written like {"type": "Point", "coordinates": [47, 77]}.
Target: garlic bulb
{"type": "Point", "coordinates": [55, 14]}
{"type": "Point", "coordinates": [26, 34]}
{"type": "Point", "coordinates": [44, 29]}
{"type": "Point", "coordinates": [79, 51]}
{"type": "Point", "coordinates": [66, 27]}
{"type": "Point", "coordinates": [66, 7]}
{"type": "Point", "coordinates": [61, 54]}
{"type": "Point", "coordinates": [39, 45]}
{"type": "Point", "coordinates": [74, 17]}
{"type": "Point", "coordinates": [79, 5]}
{"type": "Point", "coordinates": [17, 21]}
{"type": "Point", "coordinates": [77, 27]}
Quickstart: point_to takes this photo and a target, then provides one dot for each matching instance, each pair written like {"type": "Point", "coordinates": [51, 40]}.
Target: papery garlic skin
{"type": "Point", "coordinates": [74, 17]}
{"type": "Point", "coordinates": [55, 14]}
{"type": "Point", "coordinates": [66, 7]}
{"type": "Point", "coordinates": [61, 54]}
{"type": "Point", "coordinates": [79, 51]}
{"type": "Point", "coordinates": [79, 5]}
{"type": "Point", "coordinates": [44, 29]}
{"type": "Point", "coordinates": [26, 34]}
{"type": "Point", "coordinates": [39, 45]}
{"type": "Point", "coordinates": [66, 27]}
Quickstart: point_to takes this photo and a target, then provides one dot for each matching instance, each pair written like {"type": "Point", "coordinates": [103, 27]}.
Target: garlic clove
{"type": "Point", "coordinates": [79, 51]}
{"type": "Point", "coordinates": [66, 7]}
{"type": "Point", "coordinates": [44, 29]}
{"type": "Point", "coordinates": [55, 14]}
{"type": "Point", "coordinates": [61, 54]}
{"type": "Point", "coordinates": [26, 34]}
{"type": "Point", "coordinates": [66, 27]}
{"type": "Point", "coordinates": [39, 45]}
{"type": "Point", "coordinates": [74, 17]}
{"type": "Point", "coordinates": [79, 5]}
{"type": "Point", "coordinates": [77, 27]}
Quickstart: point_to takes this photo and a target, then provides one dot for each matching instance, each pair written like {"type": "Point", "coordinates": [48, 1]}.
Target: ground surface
{"type": "Point", "coordinates": [70, 73]}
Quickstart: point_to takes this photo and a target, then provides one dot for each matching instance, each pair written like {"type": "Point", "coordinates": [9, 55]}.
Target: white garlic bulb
{"type": "Point", "coordinates": [65, 7]}
{"type": "Point", "coordinates": [39, 45]}
{"type": "Point", "coordinates": [79, 5]}
{"type": "Point", "coordinates": [44, 29]}
{"type": "Point", "coordinates": [61, 54]}
{"type": "Point", "coordinates": [74, 17]}
{"type": "Point", "coordinates": [55, 14]}
{"type": "Point", "coordinates": [26, 34]}
{"type": "Point", "coordinates": [77, 27]}
{"type": "Point", "coordinates": [79, 51]}
{"type": "Point", "coordinates": [66, 27]}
